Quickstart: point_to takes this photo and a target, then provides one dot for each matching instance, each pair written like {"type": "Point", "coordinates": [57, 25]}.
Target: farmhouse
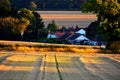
{"type": "Point", "coordinates": [81, 31]}
{"type": "Point", "coordinates": [75, 36]}
{"type": "Point", "coordinates": [52, 35]}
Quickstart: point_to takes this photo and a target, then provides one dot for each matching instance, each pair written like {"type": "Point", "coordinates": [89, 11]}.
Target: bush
{"type": "Point", "coordinates": [114, 46]}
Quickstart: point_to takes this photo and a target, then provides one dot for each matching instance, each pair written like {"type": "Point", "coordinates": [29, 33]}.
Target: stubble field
{"type": "Point", "coordinates": [68, 18]}
{"type": "Point", "coordinates": [58, 66]}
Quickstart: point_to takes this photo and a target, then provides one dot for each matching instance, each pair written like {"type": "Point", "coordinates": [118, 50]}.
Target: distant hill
{"type": "Point", "coordinates": [49, 4]}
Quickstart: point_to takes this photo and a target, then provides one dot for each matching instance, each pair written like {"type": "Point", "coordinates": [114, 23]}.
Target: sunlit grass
{"type": "Point", "coordinates": [19, 65]}
{"type": "Point", "coordinates": [3, 55]}
{"type": "Point", "coordinates": [92, 60]}
{"type": "Point", "coordinates": [46, 47]}
{"type": "Point", "coordinates": [53, 66]}
{"type": "Point", "coordinates": [63, 59]}
{"type": "Point", "coordinates": [25, 58]}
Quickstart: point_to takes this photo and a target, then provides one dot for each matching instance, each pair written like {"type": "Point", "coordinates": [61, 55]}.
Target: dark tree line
{"type": "Point", "coordinates": [50, 4]}
{"type": "Point", "coordinates": [19, 24]}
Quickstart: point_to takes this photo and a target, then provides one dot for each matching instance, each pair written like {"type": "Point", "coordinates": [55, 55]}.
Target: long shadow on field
{"type": "Point", "coordinates": [13, 74]}
{"type": "Point", "coordinates": [17, 70]}
{"type": "Point", "coordinates": [113, 62]}
{"type": "Point", "coordinates": [103, 66]}
{"type": "Point", "coordinates": [19, 63]}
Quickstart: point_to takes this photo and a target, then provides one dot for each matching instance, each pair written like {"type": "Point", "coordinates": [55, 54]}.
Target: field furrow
{"type": "Point", "coordinates": [50, 69]}
{"type": "Point", "coordinates": [83, 72]}
{"type": "Point", "coordinates": [59, 66]}
{"type": "Point", "coordinates": [34, 74]}
{"type": "Point", "coordinates": [42, 69]}
{"type": "Point", "coordinates": [67, 69]}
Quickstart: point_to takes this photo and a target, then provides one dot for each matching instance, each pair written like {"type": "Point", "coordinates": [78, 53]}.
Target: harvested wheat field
{"type": "Point", "coordinates": [58, 66]}
{"type": "Point", "coordinates": [68, 18]}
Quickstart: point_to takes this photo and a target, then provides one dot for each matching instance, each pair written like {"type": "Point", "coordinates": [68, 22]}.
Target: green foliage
{"type": "Point", "coordinates": [38, 21]}
{"type": "Point", "coordinates": [43, 33]}
{"type": "Point", "coordinates": [33, 5]}
{"type": "Point", "coordinates": [5, 8]}
{"type": "Point", "coordinates": [10, 26]}
{"type": "Point", "coordinates": [36, 28]}
{"type": "Point", "coordinates": [22, 25]}
{"type": "Point", "coordinates": [26, 13]}
{"type": "Point", "coordinates": [90, 6]}
{"type": "Point", "coordinates": [5, 3]}
{"type": "Point", "coordinates": [15, 23]}
{"type": "Point", "coordinates": [108, 12]}
{"type": "Point", "coordinates": [52, 26]}
{"type": "Point", "coordinates": [114, 46]}
{"type": "Point", "coordinates": [91, 30]}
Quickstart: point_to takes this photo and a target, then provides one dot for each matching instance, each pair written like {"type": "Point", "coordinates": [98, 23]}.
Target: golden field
{"type": "Point", "coordinates": [45, 47]}
{"type": "Point", "coordinates": [58, 66]}
{"type": "Point", "coordinates": [68, 18]}
{"type": "Point", "coordinates": [22, 61]}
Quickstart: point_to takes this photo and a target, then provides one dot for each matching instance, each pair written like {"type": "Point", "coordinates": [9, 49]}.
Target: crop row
{"type": "Point", "coordinates": [17, 67]}
{"type": "Point", "coordinates": [54, 67]}
{"type": "Point", "coordinates": [46, 67]}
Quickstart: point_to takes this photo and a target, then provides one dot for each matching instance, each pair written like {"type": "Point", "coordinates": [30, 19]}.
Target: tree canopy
{"type": "Point", "coordinates": [108, 13]}
{"type": "Point", "coordinates": [33, 5]}
{"type": "Point", "coordinates": [53, 26]}
{"type": "Point", "coordinates": [4, 8]}
{"type": "Point", "coordinates": [15, 23]}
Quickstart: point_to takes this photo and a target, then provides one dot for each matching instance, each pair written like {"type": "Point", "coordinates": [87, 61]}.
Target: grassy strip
{"type": "Point", "coordinates": [30, 46]}
{"type": "Point", "coordinates": [3, 57]}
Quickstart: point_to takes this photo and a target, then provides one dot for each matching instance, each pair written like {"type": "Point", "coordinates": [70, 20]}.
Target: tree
{"type": "Point", "coordinates": [38, 21]}
{"type": "Point", "coordinates": [21, 26]}
{"type": "Point", "coordinates": [52, 26]}
{"type": "Point", "coordinates": [38, 24]}
{"type": "Point", "coordinates": [5, 8]}
{"type": "Point", "coordinates": [10, 26]}
{"type": "Point", "coordinates": [5, 3]}
{"type": "Point", "coordinates": [33, 5]}
{"type": "Point", "coordinates": [108, 13]}
{"type": "Point", "coordinates": [26, 13]}
{"type": "Point", "coordinates": [92, 29]}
